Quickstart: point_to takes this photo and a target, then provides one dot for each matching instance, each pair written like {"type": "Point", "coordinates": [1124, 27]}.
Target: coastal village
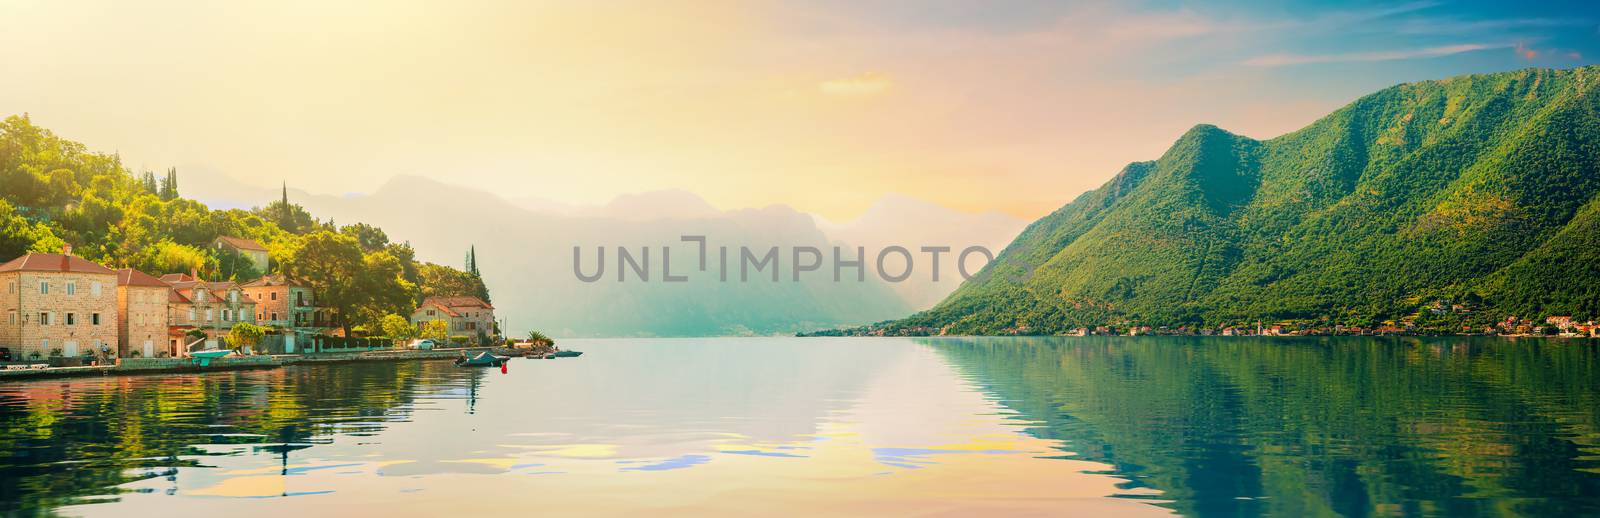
{"type": "Point", "coordinates": [70, 311]}
{"type": "Point", "coordinates": [1439, 317]}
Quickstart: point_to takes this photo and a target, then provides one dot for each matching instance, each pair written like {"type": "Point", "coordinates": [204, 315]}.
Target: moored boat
{"type": "Point", "coordinates": [482, 360]}
{"type": "Point", "coordinates": [203, 358]}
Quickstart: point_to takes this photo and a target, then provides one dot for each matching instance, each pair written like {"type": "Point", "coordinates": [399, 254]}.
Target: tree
{"type": "Point", "coordinates": [436, 330]}
{"type": "Point", "coordinates": [479, 289]}
{"type": "Point", "coordinates": [539, 339]}
{"type": "Point", "coordinates": [383, 289]}
{"type": "Point", "coordinates": [232, 265]}
{"type": "Point", "coordinates": [169, 185]}
{"type": "Point", "coordinates": [444, 281]}
{"type": "Point", "coordinates": [18, 237]}
{"type": "Point", "coordinates": [329, 265]}
{"type": "Point", "coordinates": [245, 336]}
{"type": "Point", "coordinates": [361, 288]}
{"type": "Point", "coordinates": [399, 329]}
{"type": "Point", "coordinates": [372, 238]}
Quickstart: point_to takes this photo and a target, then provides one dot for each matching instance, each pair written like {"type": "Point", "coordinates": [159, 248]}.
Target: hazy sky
{"type": "Point", "coordinates": [822, 105]}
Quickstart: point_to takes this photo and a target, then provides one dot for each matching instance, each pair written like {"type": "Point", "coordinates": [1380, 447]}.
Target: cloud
{"type": "Point", "coordinates": [1279, 60]}
{"type": "Point", "coordinates": [871, 83]}
{"type": "Point", "coordinates": [1526, 53]}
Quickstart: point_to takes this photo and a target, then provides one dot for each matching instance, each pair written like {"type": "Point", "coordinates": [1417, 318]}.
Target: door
{"type": "Point", "coordinates": [149, 349]}
{"type": "Point", "coordinates": [288, 343]}
{"type": "Point", "coordinates": [69, 349]}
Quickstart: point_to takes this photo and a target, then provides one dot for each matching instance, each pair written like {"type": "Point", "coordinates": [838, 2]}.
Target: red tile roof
{"type": "Point", "coordinates": [177, 277]}
{"type": "Point", "coordinates": [441, 307]}
{"type": "Point", "coordinates": [276, 279]}
{"type": "Point", "coordinates": [53, 263]}
{"type": "Point", "coordinates": [186, 288]}
{"type": "Point", "coordinates": [458, 302]}
{"type": "Point", "coordinates": [241, 243]}
{"type": "Point", "coordinates": [132, 277]}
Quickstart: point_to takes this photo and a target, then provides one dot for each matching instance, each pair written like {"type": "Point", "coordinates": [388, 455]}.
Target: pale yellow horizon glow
{"type": "Point", "coordinates": [744, 104]}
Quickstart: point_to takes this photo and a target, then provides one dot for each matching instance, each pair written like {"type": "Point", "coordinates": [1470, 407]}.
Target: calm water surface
{"type": "Point", "coordinates": [1091, 426]}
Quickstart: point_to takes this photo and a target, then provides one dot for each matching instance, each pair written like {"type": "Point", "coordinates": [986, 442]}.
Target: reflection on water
{"type": "Point", "coordinates": [838, 426]}
{"type": "Point", "coordinates": [1302, 427]}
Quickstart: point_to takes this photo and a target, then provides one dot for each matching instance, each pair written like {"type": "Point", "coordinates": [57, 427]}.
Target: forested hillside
{"type": "Point", "coordinates": [1476, 193]}
{"type": "Point", "coordinates": [54, 191]}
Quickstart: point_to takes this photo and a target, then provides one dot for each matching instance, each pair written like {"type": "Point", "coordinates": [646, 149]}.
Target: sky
{"type": "Point", "coordinates": [823, 105]}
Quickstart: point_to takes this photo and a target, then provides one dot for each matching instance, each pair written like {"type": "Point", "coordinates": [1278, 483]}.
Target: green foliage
{"type": "Point", "coordinates": [1483, 187]}
{"type": "Point", "coordinates": [18, 236]}
{"type": "Point", "coordinates": [361, 287]}
{"type": "Point", "coordinates": [459, 340]}
{"type": "Point", "coordinates": [539, 339]}
{"type": "Point", "coordinates": [398, 328]}
{"type": "Point", "coordinates": [444, 281]}
{"type": "Point", "coordinates": [167, 256]}
{"type": "Point", "coordinates": [436, 330]}
{"type": "Point", "coordinates": [244, 336]}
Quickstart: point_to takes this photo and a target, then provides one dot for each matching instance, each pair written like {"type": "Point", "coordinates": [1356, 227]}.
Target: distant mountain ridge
{"type": "Point", "coordinates": [525, 254]}
{"type": "Point", "coordinates": [1480, 189]}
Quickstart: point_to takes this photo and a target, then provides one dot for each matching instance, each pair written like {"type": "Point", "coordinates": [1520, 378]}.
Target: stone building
{"type": "Point", "coordinates": [142, 315]}
{"type": "Point", "coordinates": [57, 304]}
{"type": "Point", "coordinates": [284, 303]}
{"type": "Point", "coordinates": [211, 307]}
{"type": "Point", "coordinates": [467, 316]}
{"type": "Point", "coordinates": [247, 250]}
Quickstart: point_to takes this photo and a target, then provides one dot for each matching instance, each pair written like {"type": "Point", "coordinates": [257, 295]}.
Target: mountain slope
{"type": "Point", "coordinates": [1465, 188]}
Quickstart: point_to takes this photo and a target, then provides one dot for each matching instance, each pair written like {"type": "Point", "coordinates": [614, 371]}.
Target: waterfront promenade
{"type": "Point", "coordinates": [130, 366]}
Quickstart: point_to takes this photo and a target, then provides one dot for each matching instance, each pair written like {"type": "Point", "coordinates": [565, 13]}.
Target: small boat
{"type": "Point", "coordinates": [203, 358]}
{"type": "Point", "coordinates": [567, 354]}
{"type": "Point", "coordinates": [482, 360]}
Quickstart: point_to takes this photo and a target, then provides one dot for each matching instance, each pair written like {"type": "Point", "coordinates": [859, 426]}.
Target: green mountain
{"type": "Point", "coordinates": [1480, 190]}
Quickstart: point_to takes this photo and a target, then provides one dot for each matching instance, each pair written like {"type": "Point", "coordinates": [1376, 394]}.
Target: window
{"type": "Point", "coordinates": [273, 295]}
{"type": "Point", "coordinates": [11, 287]}
{"type": "Point", "coordinates": [44, 287]}
{"type": "Point", "coordinates": [191, 314]}
{"type": "Point", "coordinates": [233, 296]}
{"type": "Point", "coordinates": [300, 298]}
{"type": "Point", "coordinates": [11, 316]}
{"type": "Point", "coordinates": [430, 312]}
{"type": "Point", "coordinates": [72, 318]}
{"type": "Point", "coordinates": [199, 296]}
{"type": "Point", "coordinates": [72, 288]}
{"type": "Point", "coordinates": [94, 288]}
{"type": "Point", "coordinates": [274, 316]}
{"type": "Point", "coordinates": [44, 318]}
{"type": "Point", "coordinates": [225, 315]}
{"type": "Point", "coordinates": [94, 319]}
{"type": "Point", "coordinates": [208, 314]}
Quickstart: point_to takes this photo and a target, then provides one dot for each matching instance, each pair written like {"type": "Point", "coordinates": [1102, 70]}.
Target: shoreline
{"type": "Point", "coordinates": [151, 366]}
